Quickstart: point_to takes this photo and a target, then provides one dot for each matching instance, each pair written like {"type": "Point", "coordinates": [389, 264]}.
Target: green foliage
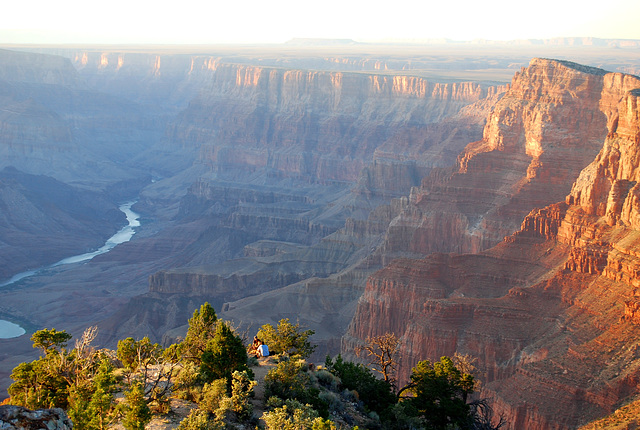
{"type": "Point", "coordinates": [287, 338]}
{"type": "Point", "coordinates": [199, 420]}
{"type": "Point", "coordinates": [216, 376]}
{"type": "Point", "coordinates": [152, 365]}
{"type": "Point", "coordinates": [135, 354]}
{"type": "Point", "coordinates": [39, 384]}
{"type": "Point", "coordinates": [287, 380]}
{"type": "Point", "coordinates": [186, 383]}
{"type": "Point", "coordinates": [91, 405]}
{"type": "Point", "coordinates": [223, 354]}
{"type": "Point", "coordinates": [202, 327]}
{"type": "Point", "coordinates": [403, 417]}
{"type": "Point", "coordinates": [332, 399]}
{"type": "Point", "coordinates": [79, 408]}
{"type": "Point", "coordinates": [376, 394]}
{"type": "Point", "coordinates": [321, 424]}
{"type": "Point", "coordinates": [291, 380]}
{"type": "Point", "coordinates": [216, 401]}
{"type": "Point", "coordinates": [241, 391]}
{"type": "Point", "coordinates": [61, 378]}
{"type": "Point", "coordinates": [50, 340]}
{"type": "Point", "coordinates": [440, 393]}
{"type": "Point", "coordinates": [212, 395]}
{"type": "Point", "coordinates": [101, 408]}
{"type": "Point", "coordinates": [136, 411]}
{"type": "Point", "coordinates": [292, 415]}
{"type": "Point", "coordinates": [127, 353]}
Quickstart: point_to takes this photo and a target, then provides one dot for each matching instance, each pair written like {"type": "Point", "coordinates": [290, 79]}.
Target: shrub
{"type": "Point", "coordinates": [332, 400]}
{"type": "Point", "coordinates": [321, 424]}
{"type": "Point", "coordinates": [136, 411]}
{"type": "Point", "coordinates": [328, 380]}
{"type": "Point", "coordinates": [287, 338]}
{"type": "Point", "coordinates": [376, 394]}
{"type": "Point", "coordinates": [292, 415]}
{"type": "Point", "coordinates": [202, 326]}
{"type": "Point", "coordinates": [241, 391]}
{"type": "Point", "coordinates": [439, 393]}
{"type": "Point", "coordinates": [287, 380]}
{"type": "Point", "coordinates": [199, 420]}
{"type": "Point", "coordinates": [186, 383]}
{"type": "Point", "coordinates": [212, 395]}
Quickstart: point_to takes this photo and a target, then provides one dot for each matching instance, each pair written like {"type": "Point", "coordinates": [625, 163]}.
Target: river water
{"type": "Point", "coordinates": [8, 329]}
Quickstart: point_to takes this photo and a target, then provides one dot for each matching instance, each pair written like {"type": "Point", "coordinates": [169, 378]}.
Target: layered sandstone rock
{"type": "Point", "coordinates": [538, 137]}
{"type": "Point", "coordinates": [551, 312]}
{"type": "Point", "coordinates": [317, 125]}
{"type": "Point", "coordinates": [285, 146]}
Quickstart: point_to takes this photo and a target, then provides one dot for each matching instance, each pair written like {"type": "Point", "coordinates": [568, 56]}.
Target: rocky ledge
{"type": "Point", "coordinates": [19, 418]}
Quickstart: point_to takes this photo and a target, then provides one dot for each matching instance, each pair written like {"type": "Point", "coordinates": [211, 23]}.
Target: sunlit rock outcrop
{"type": "Point", "coordinates": [546, 128]}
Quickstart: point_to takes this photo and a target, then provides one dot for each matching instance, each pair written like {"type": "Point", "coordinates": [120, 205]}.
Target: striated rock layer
{"type": "Point", "coordinates": [284, 157]}
{"type": "Point", "coordinates": [324, 126]}
{"type": "Point", "coordinates": [551, 313]}
{"type": "Point", "coordinates": [538, 137]}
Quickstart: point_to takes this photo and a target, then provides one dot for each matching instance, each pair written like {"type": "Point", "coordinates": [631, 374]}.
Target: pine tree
{"type": "Point", "coordinates": [202, 327]}
{"type": "Point", "coordinates": [223, 354]}
{"type": "Point", "coordinates": [136, 411]}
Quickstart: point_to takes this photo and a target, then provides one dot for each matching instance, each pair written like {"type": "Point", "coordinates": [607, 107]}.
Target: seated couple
{"type": "Point", "coordinates": [259, 348]}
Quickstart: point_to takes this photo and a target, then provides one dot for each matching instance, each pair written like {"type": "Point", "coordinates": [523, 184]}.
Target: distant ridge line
{"type": "Point", "coordinates": [303, 41]}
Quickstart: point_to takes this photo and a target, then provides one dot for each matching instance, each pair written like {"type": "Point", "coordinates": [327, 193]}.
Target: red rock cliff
{"type": "Point", "coordinates": [538, 137]}
{"type": "Point", "coordinates": [551, 313]}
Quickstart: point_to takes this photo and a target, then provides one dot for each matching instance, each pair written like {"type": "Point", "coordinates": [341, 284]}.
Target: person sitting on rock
{"type": "Point", "coordinates": [263, 350]}
{"type": "Point", "coordinates": [253, 349]}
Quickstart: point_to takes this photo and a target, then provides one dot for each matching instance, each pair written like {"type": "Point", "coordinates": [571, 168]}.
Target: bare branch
{"type": "Point", "coordinates": [382, 351]}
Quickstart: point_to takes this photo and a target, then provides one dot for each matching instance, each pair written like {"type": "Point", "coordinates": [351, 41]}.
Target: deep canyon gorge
{"type": "Point", "coordinates": [480, 200]}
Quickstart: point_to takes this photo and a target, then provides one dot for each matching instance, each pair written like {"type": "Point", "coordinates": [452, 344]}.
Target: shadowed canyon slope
{"type": "Point", "coordinates": [52, 125]}
{"type": "Point", "coordinates": [550, 312]}
{"type": "Point", "coordinates": [43, 220]}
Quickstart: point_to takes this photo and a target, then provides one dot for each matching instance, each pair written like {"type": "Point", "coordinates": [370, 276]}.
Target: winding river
{"type": "Point", "coordinates": [9, 329]}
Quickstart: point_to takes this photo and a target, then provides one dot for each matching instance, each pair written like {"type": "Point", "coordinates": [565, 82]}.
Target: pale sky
{"type": "Point", "coordinates": [276, 21]}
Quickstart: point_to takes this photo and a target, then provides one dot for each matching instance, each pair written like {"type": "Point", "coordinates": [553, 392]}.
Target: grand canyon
{"type": "Point", "coordinates": [474, 199]}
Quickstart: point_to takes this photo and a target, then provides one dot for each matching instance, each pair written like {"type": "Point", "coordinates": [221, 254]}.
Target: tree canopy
{"type": "Point", "coordinates": [439, 394]}
{"type": "Point", "coordinates": [287, 338]}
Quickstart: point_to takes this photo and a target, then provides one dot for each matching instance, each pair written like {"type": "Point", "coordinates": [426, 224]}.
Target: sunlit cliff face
{"type": "Point", "coordinates": [203, 63]}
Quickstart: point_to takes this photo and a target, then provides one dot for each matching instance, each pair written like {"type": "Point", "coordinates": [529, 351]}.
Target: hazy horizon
{"type": "Point", "coordinates": [252, 22]}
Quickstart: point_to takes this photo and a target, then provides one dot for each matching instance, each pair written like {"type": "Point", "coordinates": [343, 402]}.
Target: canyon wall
{"type": "Point", "coordinates": [550, 313]}
{"type": "Point", "coordinates": [287, 158]}
{"type": "Point", "coordinates": [321, 126]}
{"type": "Point", "coordinates": [546, 128]}
{"type": "Point", "coordinates": [52, 123]}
